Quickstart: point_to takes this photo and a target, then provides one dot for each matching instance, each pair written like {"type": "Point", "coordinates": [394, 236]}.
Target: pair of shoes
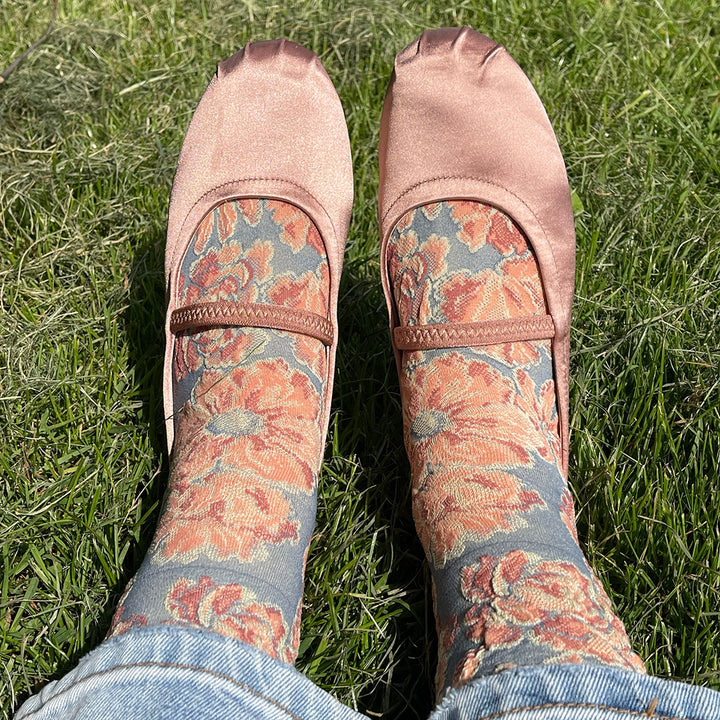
{"type": "Point", "coordinates": [477, 262]}
{"type": "Point", "coordinates": [460, 120]}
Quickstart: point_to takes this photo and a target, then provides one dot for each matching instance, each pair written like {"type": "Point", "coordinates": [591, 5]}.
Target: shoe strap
{"type": "Point", "coordinates": [275, 317]}
{"type": "Point", "coordinates": [489, 332]}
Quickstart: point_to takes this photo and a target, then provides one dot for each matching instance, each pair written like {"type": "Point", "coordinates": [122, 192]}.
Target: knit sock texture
{"type": "Point", "coordinates": [491, 505]}
{"type": "Point", "coordinates": [230, 548]}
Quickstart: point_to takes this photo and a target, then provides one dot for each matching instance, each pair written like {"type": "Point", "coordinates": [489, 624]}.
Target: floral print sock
{"type": "Point", "coordinates": [491, 505]}
{"type": "Point", "coordinates": [230, 548]}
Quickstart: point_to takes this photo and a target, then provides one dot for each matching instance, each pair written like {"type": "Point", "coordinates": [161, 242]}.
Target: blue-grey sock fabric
{"type": "Point", "coordinates": [491, 504]}
{"type": "Point", "coordinates": [230, 548]}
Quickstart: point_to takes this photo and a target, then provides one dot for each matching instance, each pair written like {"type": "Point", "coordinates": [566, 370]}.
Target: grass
{"type": "Point", "coordinates": [90, 129]}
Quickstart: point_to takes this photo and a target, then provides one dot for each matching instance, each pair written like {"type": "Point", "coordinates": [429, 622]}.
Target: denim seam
{"type": "Point", "coordinates": [650, 712]}
{"type": "Point", "coordinates": [179, 666]}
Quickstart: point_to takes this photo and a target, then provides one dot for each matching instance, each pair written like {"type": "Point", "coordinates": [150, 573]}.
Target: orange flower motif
{"type": "Point", "coordinates": [298, 230]}
{"type": "Point", "coordinates": [121, 625]}
{"type": "Point", "coordinates": [263, 419]}
{"type": "Point", "coordinates": [431, 210]}
{"type": "Point", "coordinates": [515, 353]}
{"type": "Point", "coordinates": [489, 295]}
{"type": "Point", "coordinates": [523, 289]}
{"type": "Point", "coordinates": [308, 291]}
{"type": "Point", "coordinates": [230, 610]}
{"type": "Point", "coordinates": [463, 411]}
{"type": "Point", "coordinates": [290, 653]}
{"type": "Point", "coordinates": [567, 513]}
{"type": "Point", "coordinates": [468, 667]}
{"type": "Point", "coordinates": [203, 233]}
{"type": "Point", "coordinates": [405, 221]}
{"type": "Point", "coordinates": [474, 222]}
{"type": "Point", "coordinates": [480, 224]}
{"type": "Point", "coordinates": [412, 266]}
{"type": "Point", "coordinates": [214, 348]}
{"type": "Point", "coordinates": [224, 219]}
{"type": "Point", "coordinates": [547, 602]}
{"type": "Point", "coordinates": [250, 209]}
{"type": "Point", "coordinates": [311, 353]}
{"type": "Point", "coordinates": [446, 633]}
{"type": "Point", "coordinates": [541, 411]}
{"type": "Point", "coordinates": [455, 506]}
{"type": "Point", "coordinates": [229, 273]}
{"type": "Point", "coordinates": [230, 515]}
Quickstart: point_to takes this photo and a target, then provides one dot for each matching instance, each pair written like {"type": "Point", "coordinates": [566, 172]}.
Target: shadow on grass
{"type": "Point", "coordinates": [367, 400]}
{"type": "Point", "coordinates": [141, 325]}
{"type": "Point", "coordinates": [144, 322]}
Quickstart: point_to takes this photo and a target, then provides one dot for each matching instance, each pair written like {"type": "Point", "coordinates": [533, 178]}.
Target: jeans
{"type": "Point", "coordinates": [182, 673]}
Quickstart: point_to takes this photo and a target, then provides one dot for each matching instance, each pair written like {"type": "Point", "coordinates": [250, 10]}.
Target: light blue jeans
{"type": "Point", "coordinates": [181, 673]}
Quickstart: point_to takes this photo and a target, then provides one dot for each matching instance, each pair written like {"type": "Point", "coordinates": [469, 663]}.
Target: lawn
{"type": "Point", "coordinates": [90, 129]}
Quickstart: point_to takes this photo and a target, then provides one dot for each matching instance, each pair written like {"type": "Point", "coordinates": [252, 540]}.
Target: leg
{"type": "Point", "coordinates": [490, 500]}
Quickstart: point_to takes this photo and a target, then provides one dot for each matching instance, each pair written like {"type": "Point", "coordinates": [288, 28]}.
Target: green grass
{"type": "Point", "coordinates": [90, 129]}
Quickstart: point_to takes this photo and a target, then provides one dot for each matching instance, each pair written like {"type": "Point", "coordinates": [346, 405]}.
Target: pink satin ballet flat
{"type": "Point", "coordinates": [462, 121]}
{"type": "Point", "coordinates": [270, 125]}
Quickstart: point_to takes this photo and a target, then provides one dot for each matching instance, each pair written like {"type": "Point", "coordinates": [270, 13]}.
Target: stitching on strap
{"type": "Point", "coordinates": [275, 317]}
{"type": "Point", "coordinates": [492, 332]}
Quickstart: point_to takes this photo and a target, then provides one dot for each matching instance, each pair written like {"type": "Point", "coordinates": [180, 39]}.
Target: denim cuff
{"type": "Point", "coordinates": [576, 692]}
{"type": "Point", "coordinates": [182, 673]}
